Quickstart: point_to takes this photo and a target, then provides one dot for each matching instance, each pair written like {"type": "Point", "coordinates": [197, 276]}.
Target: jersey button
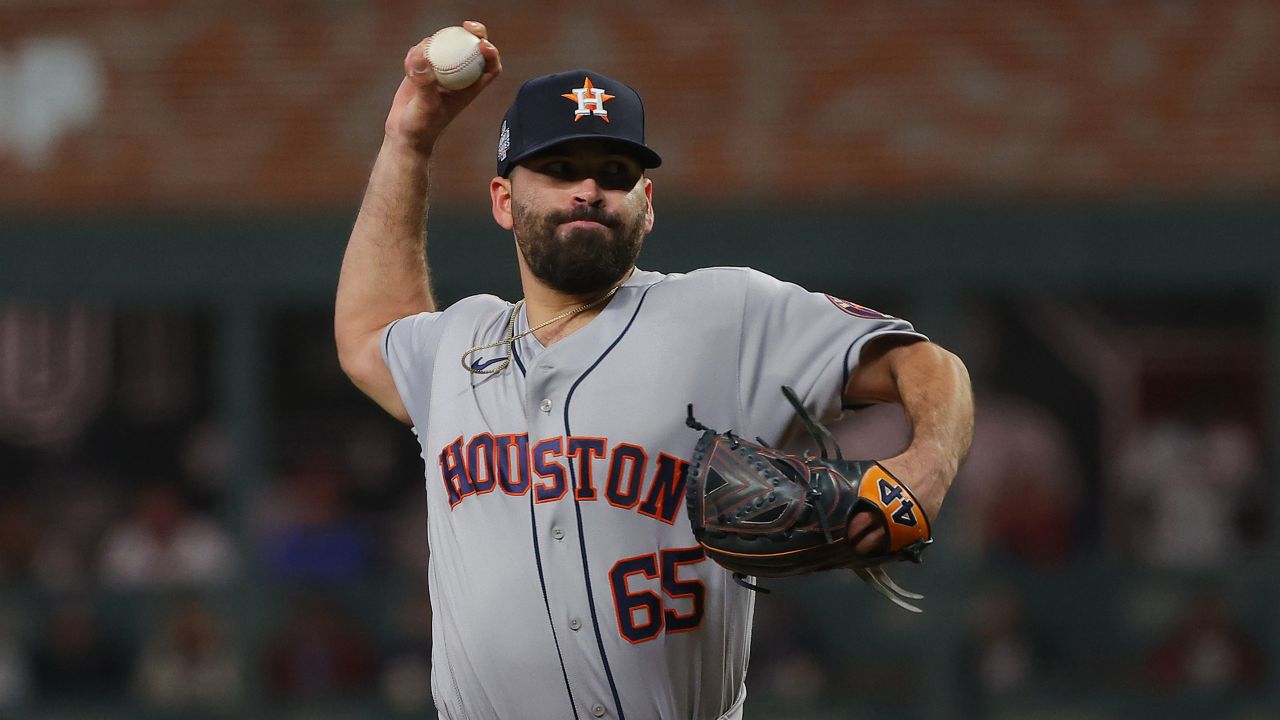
{"type": "Point", "coordinates": [545, 405]}
{"type": "Point", "coordinates": [597, 710]}
{"type": "Point", "coordinates": [557, 533]}
{"type": "Point", "coordinates": [574, 624]}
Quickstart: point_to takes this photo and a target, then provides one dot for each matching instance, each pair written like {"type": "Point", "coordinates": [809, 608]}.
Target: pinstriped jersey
{"type": "Point", "coordinates": [565, 580]}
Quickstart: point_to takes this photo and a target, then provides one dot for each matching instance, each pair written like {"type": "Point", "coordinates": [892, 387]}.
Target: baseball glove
{"type": "Point", "coordinates": [762, 512]}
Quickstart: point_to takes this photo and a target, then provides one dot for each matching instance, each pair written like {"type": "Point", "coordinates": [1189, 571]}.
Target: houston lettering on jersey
{"type": "Point", "coordinates": [623, 474]}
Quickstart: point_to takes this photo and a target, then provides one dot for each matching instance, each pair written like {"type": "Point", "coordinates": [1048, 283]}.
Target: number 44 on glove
{"type": "Point", "coordinates": [762, 512]}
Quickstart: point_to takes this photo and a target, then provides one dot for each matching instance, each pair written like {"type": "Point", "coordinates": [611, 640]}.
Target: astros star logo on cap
{"type": "Point", "coordinates": [590, 99]}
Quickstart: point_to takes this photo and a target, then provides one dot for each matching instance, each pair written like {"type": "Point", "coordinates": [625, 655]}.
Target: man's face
{"type": "Point", "coordinates": [580, 213]}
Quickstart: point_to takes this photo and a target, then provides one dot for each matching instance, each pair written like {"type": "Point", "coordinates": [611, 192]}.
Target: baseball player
{"type": "Point", "coordinates": [564, 578]}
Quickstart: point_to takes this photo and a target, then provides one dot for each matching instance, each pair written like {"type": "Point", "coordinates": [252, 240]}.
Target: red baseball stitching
{"type": "Point", "coordinates": [426, 51]}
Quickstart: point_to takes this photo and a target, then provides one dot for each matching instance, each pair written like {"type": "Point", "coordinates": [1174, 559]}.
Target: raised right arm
{"type": "Point", "coordinates": [384, 273]}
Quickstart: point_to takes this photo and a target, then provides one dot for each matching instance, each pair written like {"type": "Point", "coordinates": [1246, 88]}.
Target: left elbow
{"type": "Point", "coordinates": [950, 363]}
{"type": "Point", "coordinates": [933, 364]}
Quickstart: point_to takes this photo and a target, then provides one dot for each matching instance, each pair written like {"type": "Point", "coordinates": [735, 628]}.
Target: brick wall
{"type": "Point", "coordinates": [181, 104]}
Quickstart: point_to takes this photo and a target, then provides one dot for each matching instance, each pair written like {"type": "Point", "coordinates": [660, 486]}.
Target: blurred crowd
{"type": "Point", "coordinates": [154, 575]}
{"type": "Point", "coordinates": [149, 593]}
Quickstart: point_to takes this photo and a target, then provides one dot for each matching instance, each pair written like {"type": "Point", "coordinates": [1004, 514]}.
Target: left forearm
{"type": "Point", "coordinates": [933, 387]}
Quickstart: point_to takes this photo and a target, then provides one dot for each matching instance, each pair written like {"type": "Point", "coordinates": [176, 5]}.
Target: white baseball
{"type": "Point", "coordinates": [454, 54]}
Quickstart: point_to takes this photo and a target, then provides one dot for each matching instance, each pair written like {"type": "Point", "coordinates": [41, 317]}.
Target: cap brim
{"type": "Point", "coordinates": [647, 157]}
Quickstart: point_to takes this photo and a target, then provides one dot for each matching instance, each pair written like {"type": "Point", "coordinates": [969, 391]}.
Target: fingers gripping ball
{"type": "Point", "coordinates": [762, 512]}
{"type": "Point", "coordinates": [454, 54]}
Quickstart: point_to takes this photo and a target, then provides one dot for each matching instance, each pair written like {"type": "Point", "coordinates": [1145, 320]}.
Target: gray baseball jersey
{"type": "Point", "coordinates": [564, 578]}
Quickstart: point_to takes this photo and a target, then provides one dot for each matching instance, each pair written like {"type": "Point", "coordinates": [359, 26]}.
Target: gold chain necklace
{"type": "Point", "coordinates": [512, 336]}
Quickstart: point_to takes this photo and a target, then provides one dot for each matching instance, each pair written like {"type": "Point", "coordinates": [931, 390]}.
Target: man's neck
{"type": "Point", "coordinates": [543, 303]}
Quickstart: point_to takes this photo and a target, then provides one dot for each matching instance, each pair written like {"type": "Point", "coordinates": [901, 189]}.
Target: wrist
{"type": "Point", "coordinates": [406, 146]}
{"type": "Point", "coordinates": [928, 472]}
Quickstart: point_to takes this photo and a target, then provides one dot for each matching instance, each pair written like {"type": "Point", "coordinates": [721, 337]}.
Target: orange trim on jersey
{"type": "Point", "coordinates": [666, 496]}
{"type": "Point", "coordinates": [556, 471]}
{"type": "Point", "coordinates": [483, 440]}
{"type": "Point", "coordinates": [502, 450]}
{"type": "Point", "coordinates": [632, 611]}
{"type": "Point", "coordinates": [584, 486]}
{"type": "Point", "coordinates": [453, 472]}
{"type": "Point", "coordinates": [635, 482]}
{"type": "Point", "coordinates": [693, 601]}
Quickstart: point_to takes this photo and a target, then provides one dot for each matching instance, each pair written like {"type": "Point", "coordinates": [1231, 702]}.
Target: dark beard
{"type": "Point", "coordinates": [578, 261]}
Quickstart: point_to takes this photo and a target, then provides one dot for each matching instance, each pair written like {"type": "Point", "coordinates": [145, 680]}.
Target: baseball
{"type": "Point", "coordinates": [454, 54]}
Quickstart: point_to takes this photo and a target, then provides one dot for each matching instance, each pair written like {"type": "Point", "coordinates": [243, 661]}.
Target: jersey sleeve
{"type": "Point", "coordinates": [409, 350]}
{"type": "Point", "coordinates": [807, 340]}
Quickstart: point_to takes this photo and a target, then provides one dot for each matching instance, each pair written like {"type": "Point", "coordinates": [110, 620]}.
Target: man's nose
{"type": "Point", "coordinates": [588, 192]}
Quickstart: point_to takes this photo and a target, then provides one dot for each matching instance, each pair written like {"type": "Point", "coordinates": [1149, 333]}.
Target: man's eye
{"type": "Point", "coordinates": [625, 170]}
{"type": "Point", "coordinates": [619, 175]}
{"type": "Point", "coordinates": [556, 168]}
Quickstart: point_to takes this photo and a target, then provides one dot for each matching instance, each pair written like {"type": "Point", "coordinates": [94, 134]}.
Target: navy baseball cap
{"type": "Point", "coordinates": [572, 105]}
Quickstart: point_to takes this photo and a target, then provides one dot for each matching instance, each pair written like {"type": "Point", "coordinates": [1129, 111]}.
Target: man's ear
{"type": "Point", "coordinates": [500, 194]}
{"type": "Point", "coordinates": [648, 215]}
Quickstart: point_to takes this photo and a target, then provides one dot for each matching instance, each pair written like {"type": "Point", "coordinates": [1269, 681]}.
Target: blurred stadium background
{"type": "Point", "coordinates": [199, 517]}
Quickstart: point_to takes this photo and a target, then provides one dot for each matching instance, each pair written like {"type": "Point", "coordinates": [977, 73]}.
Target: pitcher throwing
{"type": "Point", "coordinates": [565, 578]}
